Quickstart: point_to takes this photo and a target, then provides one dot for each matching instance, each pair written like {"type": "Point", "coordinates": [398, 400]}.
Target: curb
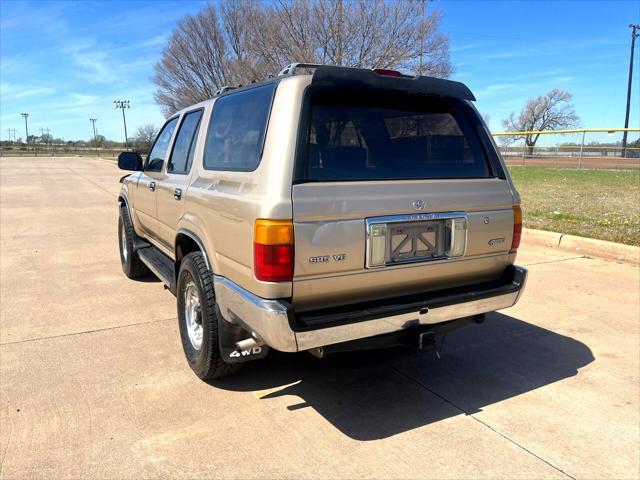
{"type": "Point", "coordinates": [582, 245]}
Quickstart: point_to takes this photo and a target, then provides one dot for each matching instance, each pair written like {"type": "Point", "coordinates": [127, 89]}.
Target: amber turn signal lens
{"type": "Point", "coordinates": [517, 228]}
{"type": "Point", "coordinates": [273, 232]}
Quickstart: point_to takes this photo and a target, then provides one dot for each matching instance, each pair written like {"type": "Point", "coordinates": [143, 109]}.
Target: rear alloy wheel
{"type": "Point", "coordinates": [198, 320]}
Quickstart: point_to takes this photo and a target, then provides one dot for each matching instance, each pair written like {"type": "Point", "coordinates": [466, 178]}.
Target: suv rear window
{"type": "Point", "coordinates": [359, 136]}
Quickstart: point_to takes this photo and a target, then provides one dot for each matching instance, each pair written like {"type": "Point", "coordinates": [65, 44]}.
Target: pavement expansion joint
{"type": "Point", "coordinates": [580, 257]}
{"type": "Point", "coordinates": [116, 327]}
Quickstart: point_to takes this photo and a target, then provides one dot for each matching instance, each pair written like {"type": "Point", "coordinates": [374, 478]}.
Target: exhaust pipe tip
{"type": "Point", "coordinates": [248, 344]}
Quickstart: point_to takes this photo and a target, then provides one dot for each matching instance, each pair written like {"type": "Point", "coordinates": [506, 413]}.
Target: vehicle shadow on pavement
{"type": "Point", "coordinates": [376, 394]}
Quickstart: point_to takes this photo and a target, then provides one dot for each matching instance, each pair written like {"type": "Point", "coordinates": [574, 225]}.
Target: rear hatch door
{"type": "Point", "coordinates": [394, 194]}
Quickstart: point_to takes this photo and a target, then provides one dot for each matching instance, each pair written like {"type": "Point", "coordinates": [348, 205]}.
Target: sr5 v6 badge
{"type": "Point", "coordinates": [327, 258]}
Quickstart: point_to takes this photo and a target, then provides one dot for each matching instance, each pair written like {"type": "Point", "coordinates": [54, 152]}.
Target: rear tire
{"type": "Point", "coordinates": [198, 320]}
{"type": "Point", "coordinates": [131, 264]}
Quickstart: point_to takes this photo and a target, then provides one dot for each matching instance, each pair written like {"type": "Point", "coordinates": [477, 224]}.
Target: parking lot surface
{"type": "Point", "coordinates": [94, 383]}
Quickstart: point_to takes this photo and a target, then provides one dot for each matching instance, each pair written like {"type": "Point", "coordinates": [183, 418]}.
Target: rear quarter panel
{"type": "Point", "coordinates": [222, 206]}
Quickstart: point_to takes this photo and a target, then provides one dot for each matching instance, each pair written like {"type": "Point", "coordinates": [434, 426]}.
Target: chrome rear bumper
{"type": "Point", "coordinates": [274, 322]}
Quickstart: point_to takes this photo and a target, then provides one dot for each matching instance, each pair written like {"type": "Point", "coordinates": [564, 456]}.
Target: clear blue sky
{"type": "Point", "coordinates": [64, 62]}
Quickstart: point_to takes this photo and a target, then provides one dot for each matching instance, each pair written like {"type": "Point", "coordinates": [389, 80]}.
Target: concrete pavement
{"type": "Point", "coordinates": [93, 382]}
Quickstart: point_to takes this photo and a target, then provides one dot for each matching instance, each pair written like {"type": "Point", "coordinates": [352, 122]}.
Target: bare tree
{"type": "Point", "coordinates": [145, 135]}
{"type": "Point", "coordinates": [233, 42]}
{"type": "Point", "coordinates": [552, 111]}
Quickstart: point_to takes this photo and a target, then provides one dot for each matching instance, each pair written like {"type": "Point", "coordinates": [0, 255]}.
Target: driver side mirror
{"type": "Point", "coordinates": [130, 161]}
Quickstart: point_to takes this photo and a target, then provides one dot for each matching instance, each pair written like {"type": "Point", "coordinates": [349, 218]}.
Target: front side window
{"type": "Point", "coordinates": [185, 144]}
{"type": "Point", "coordinates": [359, 136]}
{"type": "Point", "coordinates": [237, 129]}
{"type": "Point", "coordinates": [156, 157]}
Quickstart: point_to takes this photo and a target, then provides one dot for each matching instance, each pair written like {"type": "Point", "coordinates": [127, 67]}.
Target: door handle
{"type": "Point", "coordinates": [177, 193]}
{"type": "Point", "coordinates": [152, 186]}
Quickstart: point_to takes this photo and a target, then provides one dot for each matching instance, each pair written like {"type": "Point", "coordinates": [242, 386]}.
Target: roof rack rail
{"type": "Point", "coordinates": [292, 67]}
{"type": "Point", "coordinates": [223, 89]}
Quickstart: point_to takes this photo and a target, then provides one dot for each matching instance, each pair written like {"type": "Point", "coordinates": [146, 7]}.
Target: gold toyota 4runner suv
{"type": "Point", "coordinates": [326, 209]}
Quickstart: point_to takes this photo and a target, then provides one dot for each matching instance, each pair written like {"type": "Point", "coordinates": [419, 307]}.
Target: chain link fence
{"type": "Point", "coordinates": [57, 151]}
{"type": "Point", "coordinates": [579, 148]}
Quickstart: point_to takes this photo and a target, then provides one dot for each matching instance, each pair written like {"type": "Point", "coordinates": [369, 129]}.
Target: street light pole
{"type": "Point", "coordinates": [626, 118]}
{"type": "Point", "coordinates": [26, 127]}
{"type": "Point", "coordinates": [122, 104]}
{"type": "Point", "coordinates": [95, 137]}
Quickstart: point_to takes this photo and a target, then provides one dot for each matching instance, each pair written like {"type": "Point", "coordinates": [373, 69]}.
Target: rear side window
{"type": "Point", "coordinates": [237, 129]}
{"type": "Point", "coordinates": [156, 157]}
{"type": "Point", "coordinates": [390, 137]}
{"type": "Point", "coordinates": [185, 144]}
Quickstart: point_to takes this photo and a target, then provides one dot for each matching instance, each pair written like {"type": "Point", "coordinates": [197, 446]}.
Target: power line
{"type": "Point", "coordinates": [486, 35]}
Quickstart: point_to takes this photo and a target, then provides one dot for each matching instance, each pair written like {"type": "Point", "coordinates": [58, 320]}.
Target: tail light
{"type": "Point", "coordinates": [273, 250]}
{"type": "Point", "coordinates": [517, 228]}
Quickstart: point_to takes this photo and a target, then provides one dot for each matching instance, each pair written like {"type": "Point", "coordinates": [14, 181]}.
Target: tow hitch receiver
{"type": "Point", "coordinates": [425, 338]}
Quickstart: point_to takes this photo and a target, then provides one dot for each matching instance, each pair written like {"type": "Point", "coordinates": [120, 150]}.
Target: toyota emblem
{"type": "Point", "coordinates": [418, 204]}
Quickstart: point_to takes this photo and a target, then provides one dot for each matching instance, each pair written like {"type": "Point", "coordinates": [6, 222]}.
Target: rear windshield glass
{"type": "Point", "coordinates": [393, 137]}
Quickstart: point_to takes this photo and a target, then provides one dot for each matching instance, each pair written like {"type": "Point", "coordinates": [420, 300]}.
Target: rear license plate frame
{"type": "Point", "coordinates": [382, 249]}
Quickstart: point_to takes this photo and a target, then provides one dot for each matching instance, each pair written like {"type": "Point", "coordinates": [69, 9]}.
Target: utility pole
{"type": "Point", "coordinates": [122, 104]}
{"type": "Point", "coordinates": [339, 39]}
{"type": "Point", "coordinates": [42, 131]}
{"type": "Point", "coordinates": [423, 8]}
{"type": "Point", "coordinates": [95, 137]}
{"type": "Point", "coordinates": [26, 127]}
{"type": "Point", "coordinates": [633, 28]}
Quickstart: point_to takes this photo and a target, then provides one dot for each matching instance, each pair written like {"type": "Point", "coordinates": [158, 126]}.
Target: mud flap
{"type": "Point", "coordinates": [228, 335]}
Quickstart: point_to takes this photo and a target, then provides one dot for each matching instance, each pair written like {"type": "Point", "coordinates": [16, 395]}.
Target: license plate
{"type": "Point", "coordinates": [415, 241]}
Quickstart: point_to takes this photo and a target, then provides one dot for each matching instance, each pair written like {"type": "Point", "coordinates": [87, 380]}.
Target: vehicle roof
{"type": "Point", "coordinates": [357, 78]}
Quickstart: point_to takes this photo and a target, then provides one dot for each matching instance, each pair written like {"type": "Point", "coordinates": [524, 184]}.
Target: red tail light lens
{"type": "Point", "coordinates": [273, 250]}
{"type": "Point", "coordinates": [517, 228]}
{"type": "Point", "coordinates": [273, 263]}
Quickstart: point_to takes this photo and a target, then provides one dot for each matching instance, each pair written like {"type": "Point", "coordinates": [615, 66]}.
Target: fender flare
{"type": "Point", "coordinates": [123, 199]}
{"type": "Point", "coordinates": [200, 243]}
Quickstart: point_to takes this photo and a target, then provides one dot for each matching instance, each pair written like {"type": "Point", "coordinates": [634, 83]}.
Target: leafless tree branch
{"type": "Point", "coordinates": [233, 42]}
